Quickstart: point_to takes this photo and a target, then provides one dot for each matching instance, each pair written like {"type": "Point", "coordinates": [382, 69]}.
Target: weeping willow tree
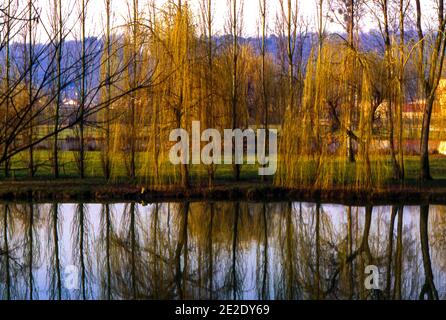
{"type": "Point", "coordinates": [313, 144]}
{"type": "Point", "coordinates": [130, 129]}
{"type": "Point", "coordinates": [110, 63]}
{"type": "Point", "coordinates": [173, 59]}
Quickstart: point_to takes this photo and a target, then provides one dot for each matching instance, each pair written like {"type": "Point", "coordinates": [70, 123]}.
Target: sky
{"type": "Point", "coordinates": [251, 13]}
{"type": "Point", "coordinates": [97, 8]}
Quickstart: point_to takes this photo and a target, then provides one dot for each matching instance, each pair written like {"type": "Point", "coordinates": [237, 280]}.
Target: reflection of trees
{"type": "Point", "coordinates": [390, 251]}
{"type": "Point", "coordinates": [437, 235]}
{"type": "Point", "coordinates": [399, 256]}
{"type": "Point", "coordinates": [19, 251]}
{"type": "Point", "coordinates": [288, 286]}
{"type": "Point", "coordinates": [104, 252]}
{"type": "Point", "coordinates": [155, 264]}
{"type": "Point", "coordinates": [317, 278]}
{"type": "Point", "coordinates": [395, 259]}
{"type": "Point", "coordinates": [428, 288]}
{"type": "Point", "coordinates": [128, 274]}
{"type": "Point", "coordinates": [32, 247]}
{"type": "Point", "coordinates": [81, 232]}
{"type": "Point", "coordinates": [181, 252]}
{"type": "Point", "coordinates": [160, 252]}
{"type": "Point", "coordinates": [234, 279]}
{"type": "Point", "coordinates": [210, 255]}
{"type": "Point", "coordinates": [30, 257]}
{"type": "Point", "coordinates": [221, 251]}
{"type": "Point", "coordinates": [262, 270]}
{"type": "Point", "coordinates": [5, 266]}
{"type": "Point", "coordinates": [13, 252]}
{"type": "Point", "coordinates": [54, 266]}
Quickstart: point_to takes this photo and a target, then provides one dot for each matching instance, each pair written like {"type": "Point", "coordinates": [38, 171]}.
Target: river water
{"type": "Point", "coordinates": [221, 250]}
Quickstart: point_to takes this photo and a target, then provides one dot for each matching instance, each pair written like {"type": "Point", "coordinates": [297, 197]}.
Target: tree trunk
{"type": "Point", "coordinates": [424, 147]}
{"type": "Point", "coordinates": [234, 98]}
{"type": "Point", "coordinates": [8, 83]}
{"type": "Point", "coordinates": [107, 147]}
{"type": "Point", "coordinates": [83, 92]}
{"type": "Point", "coordinates": [31, 167]}
{"type": "Point", "coordinates": [263, 13]}
{"type": "Point", "coordinates": [58, 48]}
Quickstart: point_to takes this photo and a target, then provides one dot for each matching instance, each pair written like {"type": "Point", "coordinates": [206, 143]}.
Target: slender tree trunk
{"type": "Point", "coordinates": [107, 147]}
{"type": "Point", "coordinates": [352, 97]}
{"type": "Point", "coordinates": [401, 95]}
{"type": "Point", "coordinates": [210, 82]}
{"type": "Point", "coordinates": [83, 93]}
{"type": "Point", "coordinates": [31, 167]}
{"type": "Point", "coordinates": [8, 83]}
{"type": "Point", "coordinates": [58, 48]}
{"type": "Point", "coordinates": [425, 137]}
{"type": "Point", "coordinates": [133, 135]}
{"type": "Point", "coordinates": [429, 81]}
{"type": "Point", "coordinates": [389, 89]}
{"type": "Point", "coordinates": [290, 54]}
{"type": "Point", "coordinates": [263, 13]}
{"type": "Point", "coordinates": [235, 84]}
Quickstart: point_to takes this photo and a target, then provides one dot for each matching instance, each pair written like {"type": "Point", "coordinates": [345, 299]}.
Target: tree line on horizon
{"type": "Point", "coordinates": [338, 106]}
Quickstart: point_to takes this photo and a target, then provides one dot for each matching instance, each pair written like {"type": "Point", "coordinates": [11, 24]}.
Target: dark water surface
{"type": "Point", "coordinates": [221, 250]}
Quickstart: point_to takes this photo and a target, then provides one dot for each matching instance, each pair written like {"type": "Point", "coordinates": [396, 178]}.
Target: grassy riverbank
{"type": "Point", "coordinates": [91, 190]}
{"type": "Point", "coordinates": [96, 188]}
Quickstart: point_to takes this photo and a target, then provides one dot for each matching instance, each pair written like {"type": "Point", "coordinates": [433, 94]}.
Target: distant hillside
{"type": "Point", "coordinates": [370, 41]}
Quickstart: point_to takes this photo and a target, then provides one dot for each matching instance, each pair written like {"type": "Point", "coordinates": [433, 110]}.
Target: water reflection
{"type": "Point", "coordinates": [220, 251]}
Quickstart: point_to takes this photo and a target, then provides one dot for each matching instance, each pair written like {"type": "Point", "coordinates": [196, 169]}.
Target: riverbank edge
{"type": "Point", "coordinates": [90, 191]}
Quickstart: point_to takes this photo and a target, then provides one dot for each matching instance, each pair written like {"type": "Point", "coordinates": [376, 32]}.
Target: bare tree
{"type": "Point", "coordinates": [36, 86]}
{"type": "Point", "coordinates": [430, 69]}
{"type": "Point", "coordinates": [265, 96]}
{"type": "Point", "coordinates": [58, 31]}
{"type": "Point", "coordinates": [348, 13]}
{"type": "Point", "coordinates": [83, 88]}
{"type": "Point", "coordinates": [235, 27]}
{"type": "Point", "coordinates": [106, 159]}
{"type": "Point", "coordinates": [382, 11]}
{"type": "Point", "coordinates": [206, 7]}
{"type": "Point", "coordinates": [288, 28]}
{"type": "Point", "coordinates": [30, 82]}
